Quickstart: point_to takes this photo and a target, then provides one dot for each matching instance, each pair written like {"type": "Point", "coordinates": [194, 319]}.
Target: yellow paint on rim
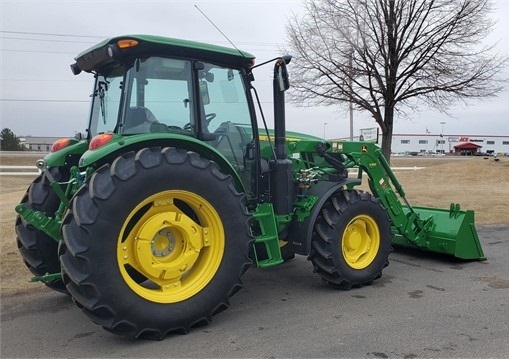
{"type": "Point", "coordinates": [176, 240]}
{"type": "Point", "coordinates": [361, 241]}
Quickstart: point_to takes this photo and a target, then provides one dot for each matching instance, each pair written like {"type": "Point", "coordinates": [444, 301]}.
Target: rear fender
{"type": "Point", "coordinates": [300, 232]}
{"type": "Point", "coordinates": [123, 144]}
{"type": "Point", "coordinates": [67, 156]}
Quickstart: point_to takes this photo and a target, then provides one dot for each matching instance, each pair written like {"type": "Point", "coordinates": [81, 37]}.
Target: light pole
{"type": "Point", "coordinates": [442, 137]}
{"type": "Point", "coordinates": [324, 125]}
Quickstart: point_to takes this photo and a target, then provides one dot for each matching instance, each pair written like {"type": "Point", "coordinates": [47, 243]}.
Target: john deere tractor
{"type": "Point", "coordinates": [150, 219]}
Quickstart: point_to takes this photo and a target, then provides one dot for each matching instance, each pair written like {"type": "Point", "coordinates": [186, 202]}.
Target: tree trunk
{"type": "Point", "coordinates": [387, 143]}
{"type": "Point", "coordinates": [387, 131]}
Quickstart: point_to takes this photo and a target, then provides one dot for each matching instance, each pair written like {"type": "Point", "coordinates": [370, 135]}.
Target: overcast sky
{"type": "Point", "coordinates": [39, 96]}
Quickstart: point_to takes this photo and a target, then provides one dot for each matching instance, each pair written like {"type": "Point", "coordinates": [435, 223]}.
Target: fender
{"type": "Point", "coordinates": [122, 144]}
{"type": "Point", "coordinates": [67, 156]}
{"type": "Point", "coordinates": [301, 233]}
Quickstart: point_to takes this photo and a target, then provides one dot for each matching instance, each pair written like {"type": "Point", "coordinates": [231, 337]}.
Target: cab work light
{"type": "Point", "coordinates": [125, 43]}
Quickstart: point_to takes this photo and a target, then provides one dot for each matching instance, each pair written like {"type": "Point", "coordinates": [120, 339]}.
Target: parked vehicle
{"type": "Point", "coordinates": [149, 220]}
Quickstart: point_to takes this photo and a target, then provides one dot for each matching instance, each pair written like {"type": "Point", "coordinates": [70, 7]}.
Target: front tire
{"type": "Point", "coordinates": [351, 240]}
{"type": "Point", "coordinates": [155, 243]}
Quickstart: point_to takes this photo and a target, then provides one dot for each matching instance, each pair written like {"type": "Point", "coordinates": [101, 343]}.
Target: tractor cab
{"type": "Point", "coordinates": [146, 89]}
{"type": "Point", "coordinates": [168, 95]}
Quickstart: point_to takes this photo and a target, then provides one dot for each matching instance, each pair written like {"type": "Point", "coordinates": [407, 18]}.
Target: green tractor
{"type": "Point", "coordinates": [150, 219]}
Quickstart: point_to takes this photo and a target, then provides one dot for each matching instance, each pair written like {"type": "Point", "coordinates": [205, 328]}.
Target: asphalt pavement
{"type": "Point", "coordinates": [423, 307]}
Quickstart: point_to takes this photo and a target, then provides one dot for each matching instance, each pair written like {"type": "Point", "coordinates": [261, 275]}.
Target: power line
{"type": "Point", "coordinates": [75, 53]}
{"type": "Point", "coordinates": [254, 47]}
{"type": "Point", "coordinates": [40, 100]}
{"type": "Point", "coordinates": [47, 34]}
{"type": "Point", "coordinates": [39, 51]}
{"type": "Point", "coordinates": [77, 79]}
{"type": "Point", "coordinates": [47, 40]}
{"type": "Point", "coordinates": [245, 43]}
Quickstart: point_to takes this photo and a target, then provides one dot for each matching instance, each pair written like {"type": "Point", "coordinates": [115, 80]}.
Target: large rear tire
{"type": "Point", "coordinates": [156, 243]}
{"type": "Point", "coordinates": [40, 251]}
{"type": "Point", "coordinates": [351, 240]}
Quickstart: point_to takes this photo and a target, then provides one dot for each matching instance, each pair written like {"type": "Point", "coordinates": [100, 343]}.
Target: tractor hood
{"type": "Point", "coordinates": [291, 136]}
{"type": "Point", "coordinates": [296, 143]}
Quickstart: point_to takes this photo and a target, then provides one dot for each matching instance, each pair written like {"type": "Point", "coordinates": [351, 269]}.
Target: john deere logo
{"type": "Point", "coordinates": [364, 149]}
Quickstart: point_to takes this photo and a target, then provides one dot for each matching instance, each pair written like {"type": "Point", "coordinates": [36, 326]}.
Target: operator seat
{"type": "Point", "coordinates": [138, 119]}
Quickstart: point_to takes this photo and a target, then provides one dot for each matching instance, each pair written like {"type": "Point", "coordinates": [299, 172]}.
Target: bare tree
{"type": "Point", "coordinates": [387, 55]}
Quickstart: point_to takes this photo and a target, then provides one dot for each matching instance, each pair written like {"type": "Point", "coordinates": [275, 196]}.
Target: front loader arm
{"type": "Point", "coordinates": [449, 231]}
{"type": "Point", "coordinates": [384, 185]}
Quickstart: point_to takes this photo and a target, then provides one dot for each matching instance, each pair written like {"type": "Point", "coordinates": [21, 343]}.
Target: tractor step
{"type": "Point", "coordinates": [264, 215]}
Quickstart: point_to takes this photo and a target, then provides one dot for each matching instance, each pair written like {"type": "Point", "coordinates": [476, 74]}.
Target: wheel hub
{"type": "Point", "coordinates": [176, 251]}
{"type": "Point", "coordinates": [353, 240]}
{"type": "Point", "coordinates": [360, 242]}
{"type": "Point", "coordinates": [163, 243]}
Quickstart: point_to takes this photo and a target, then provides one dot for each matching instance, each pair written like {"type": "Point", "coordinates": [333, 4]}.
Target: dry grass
{"type": "Point", "coordinates": [20, 158]}
{"type": "Point", "coordinates": [475, 183]}
{"type": "Point", "coordinates": [14, 275]}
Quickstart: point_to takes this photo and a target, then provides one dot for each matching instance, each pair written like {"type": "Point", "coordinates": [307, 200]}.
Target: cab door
{"type": "Point", "coordinates": [226, 116]}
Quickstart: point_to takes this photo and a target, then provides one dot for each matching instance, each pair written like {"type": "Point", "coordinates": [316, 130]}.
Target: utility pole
{"type": "Point", "coordinates": [350, 84]}
{"type": "Point", "coordinates": [351, 120]}
{"type": "Point", "coordinates": [442, 137]}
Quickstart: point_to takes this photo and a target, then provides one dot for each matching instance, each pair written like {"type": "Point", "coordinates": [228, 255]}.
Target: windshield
{"type": "Point", "coordinates": [105, 104]}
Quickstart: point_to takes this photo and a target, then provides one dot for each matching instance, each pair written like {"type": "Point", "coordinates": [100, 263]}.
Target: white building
{"type": "Point", "coordinates": [428, 143]}
{"type": "Point", "coordinates": [401, 143]}
{"type": "Point", "coordinates": [38, 143]}
{"type": "Point", "coordinates": [461, 144]}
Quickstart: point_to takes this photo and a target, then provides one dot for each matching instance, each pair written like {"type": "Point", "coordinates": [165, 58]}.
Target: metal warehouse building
{"type": "Point", "coordinates": [449, 144]}
{"type": "Point", "coordinates": [38, 143]}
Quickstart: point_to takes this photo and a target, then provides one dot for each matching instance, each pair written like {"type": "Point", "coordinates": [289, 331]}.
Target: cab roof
{"type": "Point", "coordinates": [110, 52]}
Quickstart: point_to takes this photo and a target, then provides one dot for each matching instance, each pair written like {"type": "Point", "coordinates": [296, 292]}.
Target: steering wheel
{"type": "Point", "coordinates": [208, 118]}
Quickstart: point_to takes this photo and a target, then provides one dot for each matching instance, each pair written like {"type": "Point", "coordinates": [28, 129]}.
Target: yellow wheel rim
{"type": "Point", "coordinates": [170, 246]}
{"type": "Point", "coordinates": [360, 242]}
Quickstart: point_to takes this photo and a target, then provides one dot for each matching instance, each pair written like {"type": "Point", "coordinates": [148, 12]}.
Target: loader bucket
{"type": "Point", "coordinates": [450, 232]}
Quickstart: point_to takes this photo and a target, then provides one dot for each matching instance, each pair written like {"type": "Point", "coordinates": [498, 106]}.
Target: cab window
{"type": "Point", "coordinates": [159, 96]}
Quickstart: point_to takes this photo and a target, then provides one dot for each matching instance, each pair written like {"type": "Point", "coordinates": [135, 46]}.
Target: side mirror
{"type": "Point", "coordinates": [281, 73]}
